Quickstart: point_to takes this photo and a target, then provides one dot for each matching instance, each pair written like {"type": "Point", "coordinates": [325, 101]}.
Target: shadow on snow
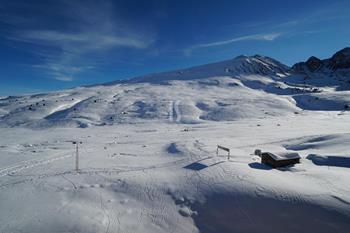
{"type": "Point", "coordinates": [336, 161]}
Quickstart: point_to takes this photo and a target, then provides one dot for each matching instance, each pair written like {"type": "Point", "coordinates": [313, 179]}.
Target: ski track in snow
{"type": "Point", "coordinates": [15, 168]}
{"type": "Point", "coordinates": [174, 111]}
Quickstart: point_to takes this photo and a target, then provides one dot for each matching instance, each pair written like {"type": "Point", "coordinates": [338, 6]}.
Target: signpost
{"type": "Point", "coordinates": [223, 148]}
{"type": "Point", "coordinates": [77, 155]}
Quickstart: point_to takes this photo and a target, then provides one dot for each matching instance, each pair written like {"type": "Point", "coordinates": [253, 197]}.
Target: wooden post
{"type": "Point", "coordinates": [77, 155]}
{"type": "Point", "coordinates": [77, 158]}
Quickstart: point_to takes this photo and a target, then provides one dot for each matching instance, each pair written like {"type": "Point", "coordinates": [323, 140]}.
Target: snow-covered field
{"type": "Point", "coordinates": [148, 158]}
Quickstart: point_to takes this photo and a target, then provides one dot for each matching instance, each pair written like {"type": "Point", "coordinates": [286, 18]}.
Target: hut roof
{"type": "Point", "coordinates": [283, 155]}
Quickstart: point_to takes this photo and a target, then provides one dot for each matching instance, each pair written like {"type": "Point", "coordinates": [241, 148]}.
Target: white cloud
{"type": "Point", "coordinates": [61, 70]}
{"type": "Point", "coordinates": [81, 41]}
{"type": "Point", "coordinates": [262, 37]}
{"type": "Point", "coordinates": [63, 78]}
{"type": "Point", "coordinates": [88, 29]}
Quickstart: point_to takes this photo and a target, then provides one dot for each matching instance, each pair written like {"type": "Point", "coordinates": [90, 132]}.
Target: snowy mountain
{"type": "Point", "coordinates": [244, 87]}
{"type": "Point", "coordinates": [241, 65]}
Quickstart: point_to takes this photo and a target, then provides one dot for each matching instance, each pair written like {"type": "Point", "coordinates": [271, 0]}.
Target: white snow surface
{"type": "Point", "coordinates": [148, 162]}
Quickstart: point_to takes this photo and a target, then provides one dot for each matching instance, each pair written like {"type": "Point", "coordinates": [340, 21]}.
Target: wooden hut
{"type": "Point", "coordinates": [279, 159]}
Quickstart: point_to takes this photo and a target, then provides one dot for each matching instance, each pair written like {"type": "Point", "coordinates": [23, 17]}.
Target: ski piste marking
{"type": "Point", "coordinates": [174, 111]}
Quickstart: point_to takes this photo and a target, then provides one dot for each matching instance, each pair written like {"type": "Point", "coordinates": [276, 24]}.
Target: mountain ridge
{"type": "Point", "coordinates": [255, 64]}
{"type": "Point", "coordinates": [242, 64]}
{"type": "Point", "coordinates": [339, 60]}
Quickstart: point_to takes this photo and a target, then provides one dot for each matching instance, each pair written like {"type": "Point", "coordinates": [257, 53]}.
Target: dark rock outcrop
{"type": "Point", "coordinates": [340, 60]}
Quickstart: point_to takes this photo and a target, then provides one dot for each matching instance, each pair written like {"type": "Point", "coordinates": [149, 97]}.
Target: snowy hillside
{"type": "Point", "coordinates": [244, 87]}
{"type": "Point", "coordinates": [147, 157]}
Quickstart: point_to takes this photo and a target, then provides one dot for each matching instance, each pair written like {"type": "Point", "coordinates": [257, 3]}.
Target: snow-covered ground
{"type": "Point", "coordinates": [148, 158]}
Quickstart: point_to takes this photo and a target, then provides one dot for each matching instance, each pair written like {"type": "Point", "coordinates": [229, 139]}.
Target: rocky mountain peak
{"type": "Point", "coordinates": [341, 59]}
{"type": "Point", "coordinates": [313, 63]}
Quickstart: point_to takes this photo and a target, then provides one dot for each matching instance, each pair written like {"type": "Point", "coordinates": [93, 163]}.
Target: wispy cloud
{"type": "Point", "coordinates": [85, 41]}
{"type": "Point", "coordinates": [73, 51]}
{"type": "Point", "coordinates": [261, 37]}
{"type": "Point", "coordinates": [88, 28]}
{"type": "Point", "coordinates": [267, 37]}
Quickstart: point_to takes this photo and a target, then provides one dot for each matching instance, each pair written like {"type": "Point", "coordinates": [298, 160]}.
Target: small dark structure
{"type": "Point", "coordinates": [280, 160]}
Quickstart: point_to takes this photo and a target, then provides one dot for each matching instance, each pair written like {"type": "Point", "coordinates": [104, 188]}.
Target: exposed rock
{"type": "Point", "coordinates": [340, 60]}
{"type": "Point", "coordinates": [313, 63]}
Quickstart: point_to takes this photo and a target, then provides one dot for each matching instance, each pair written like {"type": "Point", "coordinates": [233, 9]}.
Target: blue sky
{"type": "Point", "coordinates": [50, 45]}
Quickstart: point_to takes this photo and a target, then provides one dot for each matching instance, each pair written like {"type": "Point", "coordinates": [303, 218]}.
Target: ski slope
{"type": "Point", "coordinates": [148, 162]}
